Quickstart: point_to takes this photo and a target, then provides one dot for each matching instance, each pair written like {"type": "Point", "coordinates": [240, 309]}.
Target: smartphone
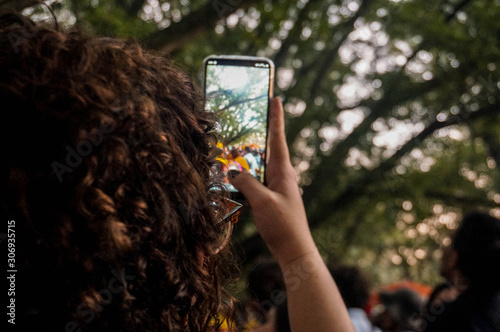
{"type": "Point", "coordinates": [239, 89]}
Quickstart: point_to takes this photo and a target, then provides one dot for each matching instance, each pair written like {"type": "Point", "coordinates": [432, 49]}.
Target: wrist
{"type": "Point", "coordinates": [301, 270]}
{"type": "Point", "coordinates": [304, 258]}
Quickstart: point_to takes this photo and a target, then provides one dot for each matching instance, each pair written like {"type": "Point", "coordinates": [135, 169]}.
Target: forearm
{"type": "Point", "coordinates": [314, 302]}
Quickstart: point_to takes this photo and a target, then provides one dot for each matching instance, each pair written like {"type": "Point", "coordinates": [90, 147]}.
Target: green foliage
{"type": "Point", "coordinates": [392, 111]}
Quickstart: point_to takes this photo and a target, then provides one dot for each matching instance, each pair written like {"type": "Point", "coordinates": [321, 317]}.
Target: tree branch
{"type": "Point", "coordinates": [457, 199]}
{"type": "Point", "coordinates": [331, 162]}
{"type": "Point", "coordinates": [332, 54]}
{"type": "Point", "coordinates": [293, 35]}
{"type": "Point", "coordinates": [456, 9]}
{"type": "Point", "coordinates": [253, 245]}
{"type": "Point", "coordinates": [356, 186]}
{"type": "Point", "coordinates": [493, 147]}
{"type": "Point", "coordinates": [239, 102]}
{"type": "Point", "coordinates": [295, 127]}
{"type": "Point", "coordinates": [193, 25]}
{"type": "Point", "coordinates": [239, 135]}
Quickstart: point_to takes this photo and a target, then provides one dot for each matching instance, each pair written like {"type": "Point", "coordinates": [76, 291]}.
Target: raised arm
{"type": "Point", "coordinates": [314, 302]}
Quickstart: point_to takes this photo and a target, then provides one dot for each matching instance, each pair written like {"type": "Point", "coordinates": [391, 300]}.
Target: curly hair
{"type": "Point", "coordinates": [108, 154]}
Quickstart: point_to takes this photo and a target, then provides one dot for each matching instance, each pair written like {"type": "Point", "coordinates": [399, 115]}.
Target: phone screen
{"type": "Point", "coordinates": [238, 90]}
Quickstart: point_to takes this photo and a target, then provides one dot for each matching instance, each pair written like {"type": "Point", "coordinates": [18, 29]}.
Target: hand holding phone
{"type": "Point", "coordinates": [238, 89]}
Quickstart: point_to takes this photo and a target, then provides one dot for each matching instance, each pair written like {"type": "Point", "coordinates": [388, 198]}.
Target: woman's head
{"type": "Point", "coordinates": [107, 152]}
{"type": "Point", "coordinates": [353, 285]}
{"type": "Point", "coordinates": [477, 245]}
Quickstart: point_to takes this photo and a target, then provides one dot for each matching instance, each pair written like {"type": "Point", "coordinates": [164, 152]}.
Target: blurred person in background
{"type": "Point", "coordinates": [266, 290]}
{"type": "Point", "coordinates": [237, 157]}
{"type": "Point", "coordinates": [355, 290]}
{"type": "Point", "coordinates": [441, 295]}
{"type": "Point", "coordinates": [399, 311]}
{"type": "Point", "coordinates": [476, 246]}
{"type": "Point", "coordinates": [252, 162]}
{"type": "Point", "coordinates": [278, 320]}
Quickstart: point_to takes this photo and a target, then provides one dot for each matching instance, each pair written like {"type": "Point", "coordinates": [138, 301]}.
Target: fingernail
{"type": "Point", "coordinates": [233, 173]}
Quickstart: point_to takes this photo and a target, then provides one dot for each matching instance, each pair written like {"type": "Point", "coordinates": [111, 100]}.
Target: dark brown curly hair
{"type": "Point", "coordinates": [107, 157]}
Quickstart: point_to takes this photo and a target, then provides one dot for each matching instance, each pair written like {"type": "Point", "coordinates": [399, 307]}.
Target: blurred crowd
{"type": "Point", "coordinates": [467, 298]}
{"type": "Point", "coordinates": [249, 158]}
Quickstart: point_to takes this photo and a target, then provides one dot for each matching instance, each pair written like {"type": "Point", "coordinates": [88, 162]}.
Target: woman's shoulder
{"type": "Point", "coordinates": [464, 314]}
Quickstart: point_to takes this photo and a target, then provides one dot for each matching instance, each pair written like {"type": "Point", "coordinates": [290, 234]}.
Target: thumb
{"type": "Point", "coordinates": [248, 185]}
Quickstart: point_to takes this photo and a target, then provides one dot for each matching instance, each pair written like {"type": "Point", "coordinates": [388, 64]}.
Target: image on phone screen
{"type": "Point", "coordinates": [238, 90]}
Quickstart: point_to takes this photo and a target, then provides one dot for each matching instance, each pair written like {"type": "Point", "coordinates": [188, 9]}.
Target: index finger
{"type": "Point", "coordinates": [278, 149]}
